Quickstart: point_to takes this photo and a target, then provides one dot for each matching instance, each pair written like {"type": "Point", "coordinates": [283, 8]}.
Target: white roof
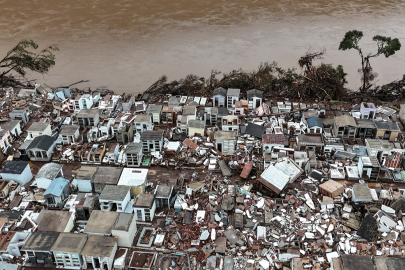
{"type": "Point", "coordinates": [275, 177]}
{"type": "Point", "coordinates": [133, 177]}
{"type": "Point", "coordinates": [288, 167]}
{"type": "Point", "coordinates": [173, 146]}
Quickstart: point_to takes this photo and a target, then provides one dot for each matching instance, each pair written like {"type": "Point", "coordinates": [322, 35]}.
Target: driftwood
{"type": "Point", "coordinates": [322, 82]}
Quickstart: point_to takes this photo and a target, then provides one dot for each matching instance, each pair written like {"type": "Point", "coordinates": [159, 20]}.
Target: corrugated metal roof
{"type": "Point", "coordinates": [246, 170]}
{"type": "Point", "coordinates": [219, 91]}
{"type": "Point", "coordinates": [49, 171]}
{"type": "Point", "coordinates": [43, 142]}
{"type": "Point", "coordinates": [153, 108]}
{"type": "Point", "coordinates": [278, 175]}
{"type": "Point", "coordinates": [191, 144]}
{"type": "Point", "coordinates": [14, 167]}
{"type": "Point", "coordinates": [143, 118]}
{"type": "Point", "coordinates": [275, 177]}
{"type": "Point", "coordinates": [254, 93]}
{"type": "Point", "coordinates": [393, 161]}
{"type": "Point", "coordinates": [233, 92]}
{"type": "Point", "coordinates": [386, 125]}
{"type": "Point", "coordinates": [196, 124]}
{"type": "Point", "coordinates": [38, 126]}
{"type": "Point", "coordinates": [273, 139]}
{"type": "Point", "coordinates": [56, 187]}
{"type": "Point", "coordinates": [114, 193]}
{"type": "Point", "coordinates": [133, 177]}
{"type": "Point", "coordinates": [152, 135]}
{"type": "Point", "coordinates": [345, 120]}
{"type": "Point", "coordinates": [314, 122]}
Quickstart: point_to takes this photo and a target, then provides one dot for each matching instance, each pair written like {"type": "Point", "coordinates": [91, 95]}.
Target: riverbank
{"type": "Point", "coordinates": [127, 48]}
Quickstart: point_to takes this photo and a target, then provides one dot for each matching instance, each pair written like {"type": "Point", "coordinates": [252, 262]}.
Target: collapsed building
{"type": "Point", "coordinates": [229, 181]}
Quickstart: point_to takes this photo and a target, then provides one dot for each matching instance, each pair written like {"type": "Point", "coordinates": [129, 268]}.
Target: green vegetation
{"type": "Point", "coordinates": [385, 45]}
{"type": "Point", "coordinates": [22, 58]}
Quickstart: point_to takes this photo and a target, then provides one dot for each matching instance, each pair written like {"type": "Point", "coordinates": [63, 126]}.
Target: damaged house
{"type": "Point", "coordinates": [225, 141]}
{"type": "Point", "coordinates": [367, 128]}
{"type": "Point", "coordinates": [272, 140]}
{"type": "Point", "coordinates": [57, 192]}
{"type": "Point", "coordinates": [152, 140]}
{"type": "Point", "coordinates": [196, 127]}
{"type": "Point", "coordinates": [41, 148]}
{"type": "Point", "coordinates": [144, 207]}
{"type": "Point", "coordinates": [20, 114]}
{"type": "Point", "coordinates": [387, 130]}
{"type": "Point", "coordinates": [345, 126]}
{"type": "Point", "coordinates": [277, 176]}
{"type": "Point", "coordinates": [219, 97]}
{"type": "Point", "coordinates": [143, 122]}
{"type": "Point", "coordinates": [255, 98]}
{"type": "Point", "coordinates": [17, 171]}
{"type": "Point", "coordinates": [133, 155]}
{"type": "Point", "coordinates": [168, 115]}
{"type": "Point", "coordinates": [83, 102]}
{"type": "Point", "coordinates": [114, 198]}
{"type": "Point", "coordinates": [38, 129]}
{"type": "Point", "coordinates": [309, 141]}
{"type": "Point", "coordinates": [67, 249]}
{"type": "Point", "coordinates": [88, 117]}
{"type": "Point", "coordinates": [125, 134]}
{"type": "Point", "coordinates": [38, 248]}
{"type": "Point", "coordinates": [99, 252]}
{"type": "Point", "coordinates": [232, 95]}
{"type": "Point", "coordinates": [69, 134]}
{"type": "Point", "coordinates": [155, 111]}
{"type": "Point", "coordinates": [230, 123]}
{"type": "Point", "coordinates": [367, 110]}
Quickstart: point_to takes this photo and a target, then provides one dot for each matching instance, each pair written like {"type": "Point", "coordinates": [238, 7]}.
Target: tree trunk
{"type": "Point", "coordinates": [363, 89]}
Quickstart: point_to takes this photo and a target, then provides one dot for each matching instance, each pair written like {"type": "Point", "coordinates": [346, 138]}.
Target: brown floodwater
{"type": "Point", "coordinates": [126, 45]}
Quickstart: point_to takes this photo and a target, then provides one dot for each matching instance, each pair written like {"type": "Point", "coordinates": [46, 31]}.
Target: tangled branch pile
{"type": "Point", "coordinates": [322, 82]}
{"type": "Point", "coordinates": [390, 92]}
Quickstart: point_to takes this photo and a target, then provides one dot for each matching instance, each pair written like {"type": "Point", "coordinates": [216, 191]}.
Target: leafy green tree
{"type": "Point", "coordinates": [23, 58]}
{"type": "Point", "coordinates": [385, 45]}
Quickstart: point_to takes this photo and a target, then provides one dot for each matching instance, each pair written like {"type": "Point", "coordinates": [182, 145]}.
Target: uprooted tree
{"type": "Point", "coordinates": [323, 81]}
{"type": "Point", "coordinates": [385, 45]}
{"type": "Point", "coordinates": [23, 58]}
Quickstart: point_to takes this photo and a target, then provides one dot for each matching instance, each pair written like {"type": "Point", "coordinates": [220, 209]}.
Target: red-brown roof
{"type": "Point", "coordinates": [273, 139]}
{"type": "Point", "coordinates": [190, 144]}
{"type": "Point", "coordinates": [393, 161]}
{"type": "Point", "coordinates": [246, 170]}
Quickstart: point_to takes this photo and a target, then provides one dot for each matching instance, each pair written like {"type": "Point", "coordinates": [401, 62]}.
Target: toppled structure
{"type": "Point", "coordinates": [178, 182]}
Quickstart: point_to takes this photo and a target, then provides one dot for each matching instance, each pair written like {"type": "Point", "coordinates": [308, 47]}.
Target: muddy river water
{"type": "Point", "coordinates": [126, 45]}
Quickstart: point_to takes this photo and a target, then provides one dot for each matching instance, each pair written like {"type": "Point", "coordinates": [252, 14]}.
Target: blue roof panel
{"type": "Point", "coordinates": [314, 121]}
{"type": "Point", "coordinates": [56, 187]}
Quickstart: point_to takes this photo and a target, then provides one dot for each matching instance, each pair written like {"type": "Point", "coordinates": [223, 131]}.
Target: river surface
{"type": "Point", "coordinates": [126, 45]}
